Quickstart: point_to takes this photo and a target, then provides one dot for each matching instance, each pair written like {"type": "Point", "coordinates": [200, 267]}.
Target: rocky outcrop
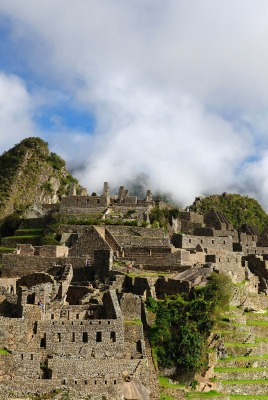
{"type": "Point", "coordinates": [31, 174]}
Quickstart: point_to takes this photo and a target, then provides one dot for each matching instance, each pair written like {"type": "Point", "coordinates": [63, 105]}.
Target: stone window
{"type": "Point", "coordinates": [85, 337]}
{"type": "Point", "coordinates": [212, 241]}
{"type": "Point", "coordinates": [31, 298]}
{"type": "Point", "coordinates": [52, 316]}
{"type": "Point", "coordinates": [113, 336]}
{"type": "Point", "coordinates": [43, 341]}
{"type": "Point", "coordinates": [73, 338]}
{"type": "Point", "coordinates": [77, 316]}
{"type": "Point", "coordinates": [95, 382]}
{"type": "Point", "coordinates": [22, 356]}
{"type": "Point", "coordinates": [63, 382]}
{"type": "Point", "coordinates": [190, 240]}
{"type": "Point", "coordinates": [108, 322]}
{"type": "Point", "coordinates": [98, 337]}
{"type": "Point", "coordinates": [105, 382]}
{"type": "Point", "coordinates": [85, 382]}
{"type": "Point", "coordinates": [75, 382]}
{"type": "Point", "coordinates": [114, 382]}
{"type": "Point", "coordinates": [59, 337]}
{"type": "Point", "coordinates": [31, 356]}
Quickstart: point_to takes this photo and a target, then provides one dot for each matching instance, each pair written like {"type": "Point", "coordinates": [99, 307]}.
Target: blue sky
{"type": "Point", "coordinates": [174, 90]}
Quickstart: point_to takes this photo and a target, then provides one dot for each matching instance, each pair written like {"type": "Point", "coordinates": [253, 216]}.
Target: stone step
{"type": "Point", "coordinates": [244, 373]}
{"type": "Point", "coordinates": [237, 336]}
{"type": "Point", "coordinates": [252, 388]}
{"type": "Point", "coordinates": [246, 349]}
{"type": "Point", "coordinates": [250, 361]}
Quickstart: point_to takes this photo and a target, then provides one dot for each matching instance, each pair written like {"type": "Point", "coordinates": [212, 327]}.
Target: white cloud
{"type": "Point", "coordinates": [161, 79]}
{"type": "Point", "coordinates": [15, 111]}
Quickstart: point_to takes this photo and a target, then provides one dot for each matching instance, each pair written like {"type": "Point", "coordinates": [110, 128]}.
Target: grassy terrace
{"type": "Point", "coordinates": [257, 322]}
{"type": "Point", "coordinates": [22, 237]}
{"type": "Point", "coordinates": [248, 396]}
{"type": "Point", "coordinates": [244, 358]}
{"type": "Point", "coordinates": [35, 230]}
{"type": "Point", "coordinates": [133, 322]}
{"type": "Point", "coordinates": [6, 249]}
{"type": "Point", "coordinates": [239, 369]}
{"type": "Point", "coordinates": [244, 381]}
{"type": "Point", "coordinates": [165, 384]}
{"type": "Point", "coordinates": [205, 395]}
{"type": "Point", "coordinates": [261, 340]}
{"type": "Point", "coordinates": [236, 344]}
{"type": "Point", "coordinates": [252, 319]}
{"type": "Point", "coordinates": [4, 352]}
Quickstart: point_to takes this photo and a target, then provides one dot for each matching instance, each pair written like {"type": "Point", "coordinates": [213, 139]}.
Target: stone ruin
{"type": "Point", "coordinates": [60, 335]}
{"type": "Point", "coordinates": [72, 316]}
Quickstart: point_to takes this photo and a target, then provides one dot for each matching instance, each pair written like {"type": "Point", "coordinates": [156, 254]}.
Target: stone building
{"type": "Point", "coordinates": [85, 347]}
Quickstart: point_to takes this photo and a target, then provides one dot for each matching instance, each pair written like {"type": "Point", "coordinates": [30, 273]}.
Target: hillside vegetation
{"type": "Point", "coordinates": [238, 209]}
{"type": "Point", "coordinates": [30, 174]}
{"type": "Point", "coordinates": [183, 323]}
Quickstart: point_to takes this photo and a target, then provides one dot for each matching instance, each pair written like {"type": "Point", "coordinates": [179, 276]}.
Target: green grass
{"type": "Point", "coordinates": [164, 396]}
{"type": "Point", "coordinates": [6, 249]}
{"type": "Point", "coordinates": [249, 396]}
{"type": "Point", "coordinates": [244, 381]}
{"type": "Point", "coordinates": [205, 395]}
{"type": "Point", "coordinates": [235, 344]}
{"type": "Point", "coordinates": [239, 369]}
{"type": "Point", "coordinates": [133, 322]}
{"type": "Point", "coordinates": [22, 237]}
{"type": "Point", "coordinates": [36, 230]}
{"type": "Point", "coordinates": [256, 322]}
{"type": "Point", "coordinates": [164, 382]}
{"type": "Point", "coordinates": [244, 358]}
{"type": "Point", "coordinates": [4, 352]}
{"type": "Point", "coordinates": [261, 340]}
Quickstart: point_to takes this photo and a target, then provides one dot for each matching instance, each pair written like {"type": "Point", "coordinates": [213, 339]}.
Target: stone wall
{"type": "Point", "coordinates": [192, 217]}
{"type": "Point", "coordinates": [130, 305]}
{"type": "Point", "coordinates": [190, 242]}
{"type": "Point", "coordinates": [166, 286]}
{"type": "Point", "coordinates": [82, 202]}
{"type": "Point", "coordinates": [83, 338]}
{"type": "Point", "coordinates": [103, 262]}
{"type": "Point", "coordinates": [15, 265]}
{"type": "Point", "coordinates": [53, 251]}
{"type": "Point", "coordinates": [89, 241]}
{"type": "Point", "coordinates": [228, 263]}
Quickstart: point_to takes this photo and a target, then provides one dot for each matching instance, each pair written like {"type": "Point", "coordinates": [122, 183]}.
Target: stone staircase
{"type": "Point", "coordinates": [152, 378]}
